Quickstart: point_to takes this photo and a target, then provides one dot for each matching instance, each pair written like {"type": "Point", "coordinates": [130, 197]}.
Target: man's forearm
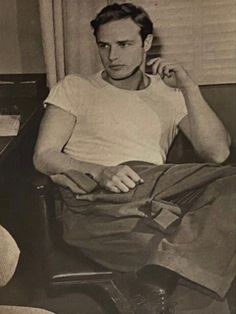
{"type": "Point", "coordinates": [201, 126]}
{"type": "Point", "coordinates": [54, 162]}
{"type": "Point", "coordinates": [207, 132]}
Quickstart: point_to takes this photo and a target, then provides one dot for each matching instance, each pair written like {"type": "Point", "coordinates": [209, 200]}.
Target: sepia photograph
{"type": "Point", "coordinates": [117, 157]}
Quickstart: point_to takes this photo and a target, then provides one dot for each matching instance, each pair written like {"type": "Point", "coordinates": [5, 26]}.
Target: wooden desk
{"type": "Point", "coordinates": [30, 111]}
{"type": "Point", "coordinates": [27, 92]}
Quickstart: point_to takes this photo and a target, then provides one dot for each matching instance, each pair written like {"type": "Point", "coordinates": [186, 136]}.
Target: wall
{"type": "Point", "coordinates": [21, 46]}
{"type": "Point", "coordinates": [222, 99]}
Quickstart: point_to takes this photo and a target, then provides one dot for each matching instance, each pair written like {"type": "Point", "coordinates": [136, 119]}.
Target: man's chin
{"type": "Point", "coordinates": [122, 73]}
{"type": "Point", "coordinates": [118, 76]}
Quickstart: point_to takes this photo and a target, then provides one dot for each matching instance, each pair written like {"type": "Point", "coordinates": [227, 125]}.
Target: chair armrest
{"type": "Point", "coordinates": [61, 264]}
{"type": "Point", "coordinates": [42, 212]}
{"type": "Point", "coordinates": [41, 183]}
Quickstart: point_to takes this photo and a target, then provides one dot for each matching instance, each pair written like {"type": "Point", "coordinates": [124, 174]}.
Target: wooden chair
{"type": "Point", "coordinates": [64, 268]}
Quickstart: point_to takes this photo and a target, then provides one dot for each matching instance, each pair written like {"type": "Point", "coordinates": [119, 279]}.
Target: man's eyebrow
{"type": "Point", "coordinates": [119, 41]}
{"type": "Point", "coordinates": [125, 41]}
{"type": "Point", "coordinates": [102, 42]}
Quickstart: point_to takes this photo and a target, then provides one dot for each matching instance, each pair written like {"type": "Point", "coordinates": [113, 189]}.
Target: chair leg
{"type": "Point", "coordinates": [105, 292]}
{"type": "Point", "coordinates": [117, 297]}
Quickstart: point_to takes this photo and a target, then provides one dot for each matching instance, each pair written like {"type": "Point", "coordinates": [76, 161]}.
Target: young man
{"type": "Point", "coordinates": [117, 126]}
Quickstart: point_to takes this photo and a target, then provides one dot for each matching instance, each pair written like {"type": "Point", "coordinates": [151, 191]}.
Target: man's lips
{"type": "Point", "coordinates": [116, 66]}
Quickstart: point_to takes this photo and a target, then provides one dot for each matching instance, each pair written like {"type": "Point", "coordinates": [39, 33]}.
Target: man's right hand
{"type": "Point", "coordinates": [118, 178]}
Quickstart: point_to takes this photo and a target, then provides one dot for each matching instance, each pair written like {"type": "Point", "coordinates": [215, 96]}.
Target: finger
{"type": "Point", "coordinates": [161, 68]}
{"type": "Point", "coordinates": [115, 189]}
{"type": "Point", "coordinates": [155, 68]}
{"type": "Point", "coordinates": [117, 183]}
{"type": "Point", "coordinates": [153, 60]}
{"type": "Point", "coordinates": [127, 181]}
{"type": "Point", "coordinates": [167, 70]}
{"type": "Point", "coordinates": [110, 187]}
{"type": "Point", "coordinates": [66, 182]}
{"type": "Point", "coordinates": [158, 65]}
{"type": "Point", "coordinates": [133, 175]}
{"type": "Point", "coordinates": [120, 185]}
{"type": "Point", "coordinates": [155, 64]}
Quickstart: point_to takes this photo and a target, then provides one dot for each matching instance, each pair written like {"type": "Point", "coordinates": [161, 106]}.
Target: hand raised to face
{"type": "Point", "coordinates": [172, 73]}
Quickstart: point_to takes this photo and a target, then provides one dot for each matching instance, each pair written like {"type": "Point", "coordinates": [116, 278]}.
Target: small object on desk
{"type": "Point", "coordinates": [6, 82]}
{"type": "Point", "coordinates": [9, 110]}
{"type": "Point", "coordinates": [9, 125]}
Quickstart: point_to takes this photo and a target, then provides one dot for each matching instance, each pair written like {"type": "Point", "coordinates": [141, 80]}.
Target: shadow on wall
{"type": "Point", "coordinates": [29, 36]}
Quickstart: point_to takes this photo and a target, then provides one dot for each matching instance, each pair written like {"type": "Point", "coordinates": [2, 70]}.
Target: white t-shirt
{"type": "Point", "coordinates": [115, 125]}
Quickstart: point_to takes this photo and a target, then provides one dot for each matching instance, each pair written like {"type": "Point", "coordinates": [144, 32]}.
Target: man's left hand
{"type": "Point", "coordinates": [172, 73]}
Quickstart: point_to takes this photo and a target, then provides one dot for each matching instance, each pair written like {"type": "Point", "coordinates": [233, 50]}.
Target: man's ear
{"type": "Point", "coordinates": [148, 42]}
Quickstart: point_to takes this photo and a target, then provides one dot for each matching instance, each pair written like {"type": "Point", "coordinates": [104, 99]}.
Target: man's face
{"type": "Point", "coordinates": [120, 47]}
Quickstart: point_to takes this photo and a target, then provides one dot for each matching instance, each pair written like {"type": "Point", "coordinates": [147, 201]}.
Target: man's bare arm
{"type": "Point", "coordinates": [202, 126]}
{"type": "Point", "coordinates": [55, 130]}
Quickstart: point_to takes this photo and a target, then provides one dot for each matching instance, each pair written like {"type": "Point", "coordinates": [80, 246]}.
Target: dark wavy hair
{"type": "Point", "coordinates": [115, 12]}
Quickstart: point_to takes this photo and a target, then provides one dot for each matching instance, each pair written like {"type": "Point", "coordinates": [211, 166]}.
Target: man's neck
{"type": "Point", "coordinates": [136, 81]}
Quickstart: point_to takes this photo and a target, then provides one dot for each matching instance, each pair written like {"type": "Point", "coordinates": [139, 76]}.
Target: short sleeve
{"type": "Point", "coordinates": [180, 107]}
{"type": "Point", "coordinates": [66, 95]}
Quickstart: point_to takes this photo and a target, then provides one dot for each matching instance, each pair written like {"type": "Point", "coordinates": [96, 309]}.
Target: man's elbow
{"type": "Point", "coordinates": [222, 151]}
{"type": "Point", "coordinates": [40, 162]}
{"type": "Point", "coordinates": [220, 156]}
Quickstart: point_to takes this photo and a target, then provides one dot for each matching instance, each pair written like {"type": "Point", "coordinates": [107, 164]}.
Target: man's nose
{"type": "Point", "coordinates": [113, 53]}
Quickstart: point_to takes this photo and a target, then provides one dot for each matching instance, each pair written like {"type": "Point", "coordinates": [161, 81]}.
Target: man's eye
{"type": "Point", "coordinates": [103, 46]}
{"type": "Point", "coordinates": [124, 45]}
